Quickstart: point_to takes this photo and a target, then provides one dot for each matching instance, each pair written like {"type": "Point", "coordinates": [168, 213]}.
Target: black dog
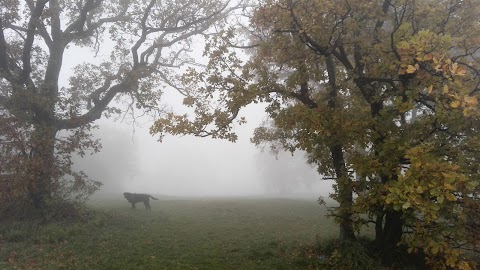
{"type": "Point", "coordinates": [134, 198]}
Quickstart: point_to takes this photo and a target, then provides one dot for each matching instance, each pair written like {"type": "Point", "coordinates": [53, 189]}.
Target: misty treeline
{"type": "Point", "coordinates": [287, 173]}
{"type": "Point", "coordinates": [381, 95]}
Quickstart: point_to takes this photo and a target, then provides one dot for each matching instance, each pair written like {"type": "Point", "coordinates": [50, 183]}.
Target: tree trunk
{"type": "Point", "coordinates": [344, 182]}
{"type": "Point", "coordinates": [387, 236]}
{"type": "Point", "coordinates": [45, 130]}
{"type": "Point", "coordinates": [42, 166]}
{"type": "Point", "coordinates": [379, 236]}
{"type": "Point", "coordinates": [393, 228]}
{"type": "Point", "coordinates": [345, 197]}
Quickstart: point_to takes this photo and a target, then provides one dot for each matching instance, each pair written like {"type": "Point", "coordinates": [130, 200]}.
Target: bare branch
{"type": "Point", "coordinates": [55, 21]}
{"type": "Point", "coordinates": [79, 24]}
{"type": "Point", "coordinates": [4, 59]}
{"type": "Point", "coordinates": [42, 31]}
{"type": "Point", "coordinates": [32, 25]}
{"type": "Point", "coordinates": [95, 112]}
{"type": "Point", "coordinates": [143, 36]}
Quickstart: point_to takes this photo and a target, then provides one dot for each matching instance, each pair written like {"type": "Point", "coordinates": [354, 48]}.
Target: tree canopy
{"type": "Point", "coordinates": [382, 95]}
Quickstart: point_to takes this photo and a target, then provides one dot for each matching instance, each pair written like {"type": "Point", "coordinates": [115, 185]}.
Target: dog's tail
{"type": "Point", "coordinates": [153, 197]}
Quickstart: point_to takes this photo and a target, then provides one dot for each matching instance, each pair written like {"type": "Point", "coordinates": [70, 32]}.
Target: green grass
{"type": "Point", "coordinates": [176, 234]}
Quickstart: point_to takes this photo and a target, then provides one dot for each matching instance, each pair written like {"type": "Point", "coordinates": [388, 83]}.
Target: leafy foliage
{"type": "Point", "coordinates": [383, 95]}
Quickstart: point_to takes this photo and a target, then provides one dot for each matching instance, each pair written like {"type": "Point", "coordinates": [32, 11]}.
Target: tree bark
{"type": "Point", "coordinates": [42, 165]}
{"type": "Point", "coordinates": [393, 228]}
{"type": "Point", "coordinates": [344, 182]}
{"type": "Point", "coordinates": [379, 236]}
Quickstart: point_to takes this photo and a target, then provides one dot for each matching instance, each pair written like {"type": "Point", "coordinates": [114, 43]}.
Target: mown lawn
{"type": "Point", "coordinates": [176, 234]}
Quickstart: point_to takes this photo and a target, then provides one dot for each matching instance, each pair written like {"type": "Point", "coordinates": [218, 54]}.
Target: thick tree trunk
{"type": "Point", "coordinates": [379, 236]}
{"type": "Point", "coordinates": [391, 236]}
{"type": "Point", "coordinates": [388, 229]}
{"type": "Point", "coordinates": [42, 165]}
{"type": "Point", "coordinates": [393, 228]}
{"type": "Point", "coordinates": [45, 130]}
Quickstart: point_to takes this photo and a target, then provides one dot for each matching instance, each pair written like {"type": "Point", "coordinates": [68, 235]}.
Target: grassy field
{"type": "Point", "coordinates": [177, 234]}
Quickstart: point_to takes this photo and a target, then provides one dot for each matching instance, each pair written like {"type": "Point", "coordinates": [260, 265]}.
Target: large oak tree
{"type": "Point", "coordinates": [45, 117]}
{"type": "Point", "coordinates": [383, 90]}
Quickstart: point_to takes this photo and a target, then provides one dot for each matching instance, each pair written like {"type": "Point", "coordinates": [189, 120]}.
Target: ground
{"type": "Point", "coordinates": [242, 233]}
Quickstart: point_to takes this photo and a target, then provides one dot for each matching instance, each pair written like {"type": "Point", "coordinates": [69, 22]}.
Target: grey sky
{"type": "Point", "coordinates": [190, 166]}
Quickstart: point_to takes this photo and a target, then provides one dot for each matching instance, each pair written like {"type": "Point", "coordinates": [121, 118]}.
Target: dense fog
{"type": "Point", "coordinates": [132, 160]}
